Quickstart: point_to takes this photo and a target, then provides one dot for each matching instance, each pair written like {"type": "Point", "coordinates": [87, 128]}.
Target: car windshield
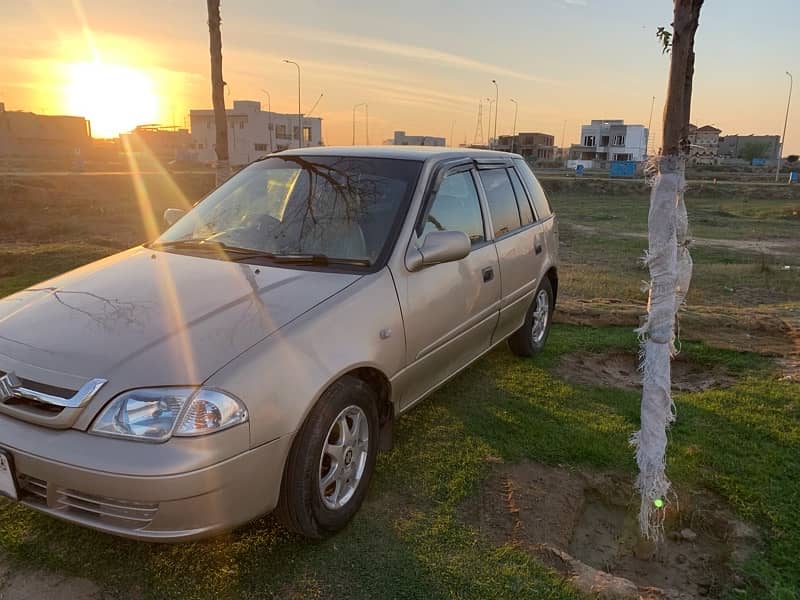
{"type": "Point", "coordinates": [332, 207]}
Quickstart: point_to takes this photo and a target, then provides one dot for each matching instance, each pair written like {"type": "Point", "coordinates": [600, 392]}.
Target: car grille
{"type": "Point", "coordinates": [112, 511]}
{"type": "Point", "coordinates": [34, 405]}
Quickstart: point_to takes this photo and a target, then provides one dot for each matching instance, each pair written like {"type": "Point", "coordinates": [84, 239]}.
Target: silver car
{"type": "Point", "coordinates": [255, 356]}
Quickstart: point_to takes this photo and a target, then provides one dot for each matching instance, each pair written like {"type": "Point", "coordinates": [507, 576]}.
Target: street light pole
{"type": "Point", "coordinates": [496, 107]}
{"type": "Point", "coordinates": [785, 121]}
{"type": "Point", "coordinates": [299, 113]}
{"type": "Point", "coordinates": [489, 124]}
{"type": "Point", "coordinates": [514, 127]}
{"type": "Point", "coordinates": [269, 119]}
{"type": "Point", "coordinates": [366, 111]}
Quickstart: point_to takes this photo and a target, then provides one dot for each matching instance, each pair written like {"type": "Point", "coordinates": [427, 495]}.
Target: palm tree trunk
{"type": "Point", "coordinates": [670, 274]}
{"type": "Point", "coordinates": [218, 91]}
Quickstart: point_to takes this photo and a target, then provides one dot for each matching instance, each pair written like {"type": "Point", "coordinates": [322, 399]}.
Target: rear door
{"type": "Point", "coordinates": [519, 242]}
{"type": "Point", "coordinates": [450, 310]}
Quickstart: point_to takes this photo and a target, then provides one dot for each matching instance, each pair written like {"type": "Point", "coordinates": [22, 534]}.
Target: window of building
{"type": "Point", "coordinates": [501, 200]}
{"type": "Point", "coordinates": [540, 203]}
{"type": "Point", "coordinates": [261, 148]}
{"type": "Point", "coordinates": [296, 132]}
{"type": "Point", "coordinates": [619, 140]}
{"type": "Point", "coordinates": [281, 133]}
{"type": "Point", "coordinates": [604, 140]}
{"type": "Point", "coordinates": [623, 156]}
{"type": "Point", "coordinates": [524, 205]}
{"type": "Point", "coordinates": [456, 208]}
{"type": "Point", "coordinates": [241, 124]}
{"type": "Point", "coordinates": [307, 134]}
{"type": "Point", "coordinates": [588, 140]}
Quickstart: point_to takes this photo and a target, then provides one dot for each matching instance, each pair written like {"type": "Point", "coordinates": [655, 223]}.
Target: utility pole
{"type": "Point", "coordinates": [478, 137]}
{"type": "Point", "coordinates": [785, 120]}
{"type": "Point", "coordinates": [496, 107]}
{"type": "Point", "coordinates": [299, 114]}
{"type": "Point", "coordinates": [564, 154]}
{"type": "Point", "coordinates": [360, 104]}
{"type": "Point", "coordinates": [514, 127]}
{"type": "Point", "coordinates": [489, 124]}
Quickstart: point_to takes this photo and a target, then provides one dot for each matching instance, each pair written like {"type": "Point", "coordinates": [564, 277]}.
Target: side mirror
{"type": "Point", "coordinates": [438, 247]}
{"type": "Point", "coordinates": [171, 215]}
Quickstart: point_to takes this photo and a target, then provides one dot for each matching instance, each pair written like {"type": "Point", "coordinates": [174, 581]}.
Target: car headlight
{"type": "Point", "coordinates": [156, 414]}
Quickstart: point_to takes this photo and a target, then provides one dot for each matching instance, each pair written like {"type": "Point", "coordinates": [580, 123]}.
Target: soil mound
{"type": "Point", "coordinates": [584, 525]}
{"type": "Point", "coordinates": [621, 370]}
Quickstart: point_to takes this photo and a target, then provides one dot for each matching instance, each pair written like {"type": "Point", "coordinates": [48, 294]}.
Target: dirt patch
{"type": "Point", "coordinates": [584, 525]}
{"type": "Point", "coordinates": [772, 247]}
{"type": "Point", "coordinates": [620, 370]}
{"type": "Point", "coordinates": [27, 584]}
{"type": "Point", "coordinates": [767, 331]}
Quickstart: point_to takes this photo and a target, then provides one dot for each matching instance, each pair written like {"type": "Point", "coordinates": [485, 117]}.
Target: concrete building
{"type": "Point", "coordinates": [401, 139]}
{"type": "Point", "coordinates": [164, 143]}
{"type": "Point", "coordinates": [605, 140]}
{"type": "Point", "coordinates": [252, 132]}
{"type": "Point", "coordinates": [539, 146]}
{"type": "Point", "coordinates": [704, 145]}
{"type": "Point", "coordinates": [27, 134]}
{"type": "Point", "coordinates": [747, 147]}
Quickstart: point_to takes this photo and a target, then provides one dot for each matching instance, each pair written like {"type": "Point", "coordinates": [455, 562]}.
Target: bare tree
{"type": "Point", "coordinates": [218, 90]}
{"type": "Point", "coordinates": [670, 268]}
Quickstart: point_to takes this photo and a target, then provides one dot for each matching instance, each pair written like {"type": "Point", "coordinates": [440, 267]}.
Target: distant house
{"type": "Point", "coordinates": [748, 147]}
{"type": "Point", "coordinates": [164, 143]}
{"type": "Point", "coordinates": [252, 132]}
{"type": "Point", "coordinates": [537, 146]}
{"type": "Point", "coordinates": [27, 134]}
{"type": "Point", "coordinates": [704, 144]}
{"type": "Point", "coordinates": [401, 139]}
{"type": "Point", "coordinates": [605, 140]}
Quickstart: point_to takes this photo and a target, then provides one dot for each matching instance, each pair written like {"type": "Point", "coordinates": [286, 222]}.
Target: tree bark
{"type": "Point", "coordinates": [670, 274]}
{"type": "Point", "coordinates": [218, 91]}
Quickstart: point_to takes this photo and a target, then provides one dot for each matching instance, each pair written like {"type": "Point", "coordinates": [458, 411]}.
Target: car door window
{"type": "Point", "coordinates": [540, 202]}
{"type": "Point", "coordinates": [456, 208]}
{"type": "Point", "coordinates": [524, 205]}
{"type": "Point", "coordinates": [501, 200]}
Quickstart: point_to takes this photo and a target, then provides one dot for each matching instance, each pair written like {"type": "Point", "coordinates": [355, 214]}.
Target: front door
{"type": "Point", "coordinates": [450, 310]}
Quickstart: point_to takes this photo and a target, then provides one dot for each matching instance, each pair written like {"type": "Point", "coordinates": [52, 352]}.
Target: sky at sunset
{"type": "Point", "coordinates": [422, 66]}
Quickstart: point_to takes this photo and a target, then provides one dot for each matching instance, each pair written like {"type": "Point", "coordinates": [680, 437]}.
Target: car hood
{"type": "Point", "coordinates": [150, 318]}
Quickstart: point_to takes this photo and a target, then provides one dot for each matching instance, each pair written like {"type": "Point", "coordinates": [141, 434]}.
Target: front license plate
{"type": "Point", "coordinates": [8, 487]}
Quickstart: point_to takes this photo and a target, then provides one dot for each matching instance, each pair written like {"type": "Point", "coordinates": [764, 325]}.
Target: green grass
{"type": "Point", "coordinates": [408, 541]}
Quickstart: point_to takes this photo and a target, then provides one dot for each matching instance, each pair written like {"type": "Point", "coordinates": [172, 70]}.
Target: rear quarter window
{"type": "Point", "coordinates": [540, 202]}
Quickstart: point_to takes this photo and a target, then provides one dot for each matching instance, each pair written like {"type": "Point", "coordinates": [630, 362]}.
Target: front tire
{"type": "Point", "coordinates": [531, 337]}
{"type": "Point", "coordinates": [331, 461]}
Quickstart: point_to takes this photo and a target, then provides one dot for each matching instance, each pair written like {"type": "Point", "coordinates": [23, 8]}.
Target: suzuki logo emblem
{"type": "Point", "coordinates": [8, 386]}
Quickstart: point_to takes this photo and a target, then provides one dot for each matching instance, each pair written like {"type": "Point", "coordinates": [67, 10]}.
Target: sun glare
{"type": "Point", "coordinates": [115, 98]}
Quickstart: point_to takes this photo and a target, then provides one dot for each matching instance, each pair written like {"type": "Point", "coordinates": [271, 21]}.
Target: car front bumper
{"type": "Point", "coordinates": [154, 492]}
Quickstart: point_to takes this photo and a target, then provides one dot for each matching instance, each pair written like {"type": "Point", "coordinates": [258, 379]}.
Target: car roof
{"type": "Point", "coordinates": [420, 153]}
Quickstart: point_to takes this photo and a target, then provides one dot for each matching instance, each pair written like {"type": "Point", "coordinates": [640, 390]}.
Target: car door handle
{"type": "Point", "coordinates": [488, 274]}
{"type": "Point", "coordinates": [537, 248]}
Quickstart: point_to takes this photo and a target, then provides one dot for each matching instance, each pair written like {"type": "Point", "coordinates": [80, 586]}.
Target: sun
{"type": "Point", "coordinates": [114, 98]}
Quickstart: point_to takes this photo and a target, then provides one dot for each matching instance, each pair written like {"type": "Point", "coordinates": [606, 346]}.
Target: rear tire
{"type": "Point", "coordinates": [331, 461]}
{"type": "Point", "coordinates": [531, 337]}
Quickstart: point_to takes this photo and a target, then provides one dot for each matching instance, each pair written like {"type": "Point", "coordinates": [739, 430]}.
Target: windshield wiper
{"type": "Point", "coordinates": [212, 245]}
{"type": "Point", "coordinates": [319, 259]}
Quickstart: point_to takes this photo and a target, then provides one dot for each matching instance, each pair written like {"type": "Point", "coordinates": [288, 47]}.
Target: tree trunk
{"type": "Point", "coordinates": [670, 274]}
{"type": "Point", "coordinates": [218, 91]}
